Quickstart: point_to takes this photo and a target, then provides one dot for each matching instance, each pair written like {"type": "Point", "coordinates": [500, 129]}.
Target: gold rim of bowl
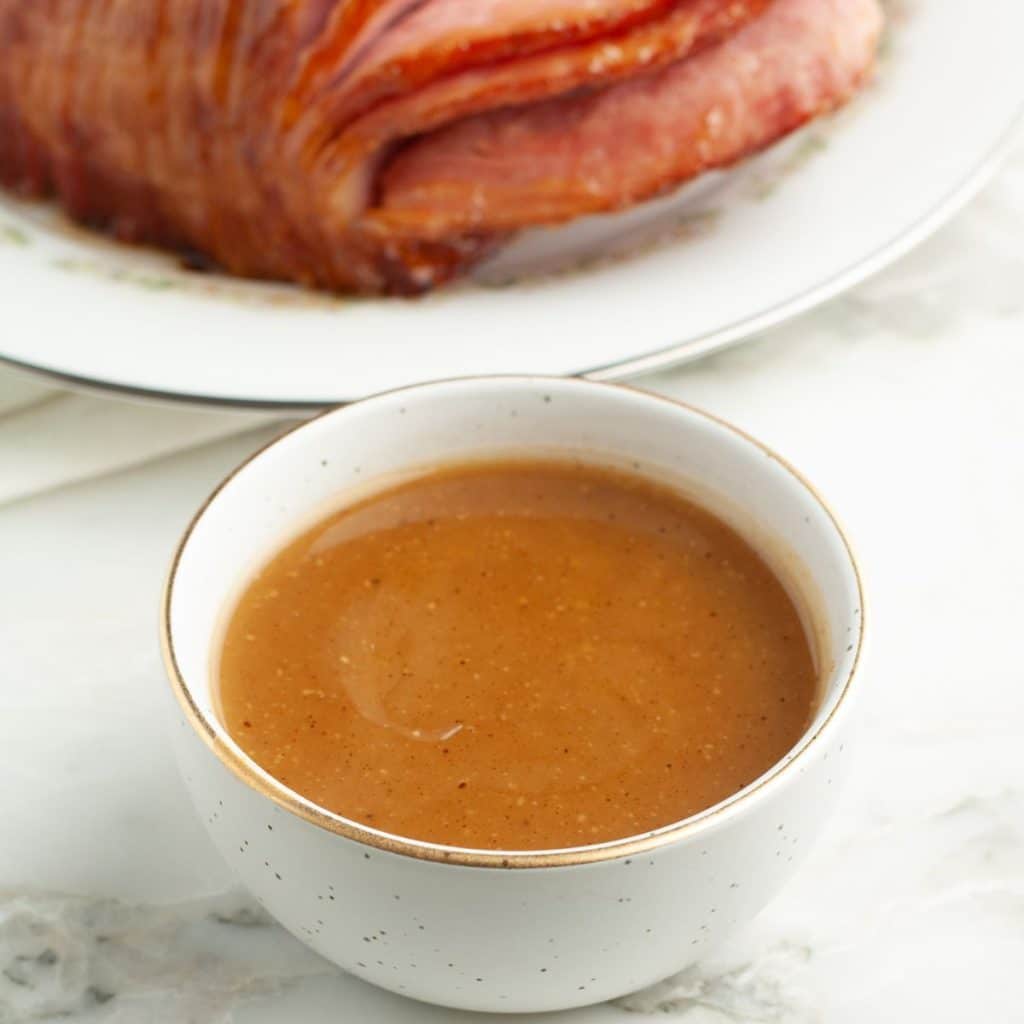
{"type": "Point", "coordinates": [252, 775]}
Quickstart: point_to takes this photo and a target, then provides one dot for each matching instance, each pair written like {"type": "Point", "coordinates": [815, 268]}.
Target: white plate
{"type": "Point", "coordinates": [719, 261]}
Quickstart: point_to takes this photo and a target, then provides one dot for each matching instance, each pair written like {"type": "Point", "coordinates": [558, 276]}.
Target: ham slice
{"type": "Point", "coordinates": [617, 146]}
{"type": "Point", "coordinates": [428, 40]}
{"type": "Point", "coordinates": [385, 145]}
{"type": "Point", "coordinates": [349, 153]}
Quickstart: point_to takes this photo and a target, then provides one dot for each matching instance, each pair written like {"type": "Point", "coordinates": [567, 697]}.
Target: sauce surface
{"type": "Point", "coordinates": [519, 656]}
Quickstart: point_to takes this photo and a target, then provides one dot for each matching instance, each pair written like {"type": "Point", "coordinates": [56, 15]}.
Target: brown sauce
{"type": "Point", "coordinates": [517, 655]}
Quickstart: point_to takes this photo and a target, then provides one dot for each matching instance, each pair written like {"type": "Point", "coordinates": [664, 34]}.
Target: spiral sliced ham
{"type": "Point", "coordinates": [386, 145]}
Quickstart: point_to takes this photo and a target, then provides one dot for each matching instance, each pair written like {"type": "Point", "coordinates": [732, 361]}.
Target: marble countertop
{"type": "Point", "coordinates": [902, 401]}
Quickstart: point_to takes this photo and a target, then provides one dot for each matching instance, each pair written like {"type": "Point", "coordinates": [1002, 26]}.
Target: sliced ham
{"type": "Point", "coordinates": [608, 149]}
{"type": "Point", "coordinates": [349, 157]}
{"type": "Point", "coordinates": [443, 37]}
{"type": "Point", "coordinates": [385, 145]}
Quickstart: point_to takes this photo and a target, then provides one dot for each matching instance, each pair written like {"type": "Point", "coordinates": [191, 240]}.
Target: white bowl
{"type": "Point", "coordinates": [508, 931]}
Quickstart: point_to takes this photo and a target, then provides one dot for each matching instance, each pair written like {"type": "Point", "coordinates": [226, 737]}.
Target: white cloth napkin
{"type": "Point", "coordinates": [51, 437]}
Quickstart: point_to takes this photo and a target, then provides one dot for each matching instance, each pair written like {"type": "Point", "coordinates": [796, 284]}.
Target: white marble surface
{"type": "Point", "coordinates": [903, 401]}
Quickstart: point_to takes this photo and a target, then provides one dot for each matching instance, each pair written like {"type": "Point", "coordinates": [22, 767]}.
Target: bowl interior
{"type": "Point", "coordinates": [330, 460]}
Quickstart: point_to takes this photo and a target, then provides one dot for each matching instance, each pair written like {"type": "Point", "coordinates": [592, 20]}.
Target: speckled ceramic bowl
{"type": "Point", "coordinates": [508, 931]}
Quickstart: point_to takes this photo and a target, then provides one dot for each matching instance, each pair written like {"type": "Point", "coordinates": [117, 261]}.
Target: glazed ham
{"type": "Point", "coordinates": [386, 145]}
